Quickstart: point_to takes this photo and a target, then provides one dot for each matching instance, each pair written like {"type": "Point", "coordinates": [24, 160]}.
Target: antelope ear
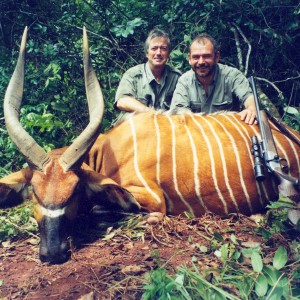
{"type": "Point", "coordinates": [105, 192]}
{"type": "Point", "coordinates": [113, 197]}
{"type": "Point", "coordinates": [14, 188]}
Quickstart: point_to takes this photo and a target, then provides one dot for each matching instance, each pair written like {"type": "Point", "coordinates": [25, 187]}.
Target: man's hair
{"type": "Point", "coordinates": [202, 38]}
{"type": "Point", "coordinates": [156, 33]}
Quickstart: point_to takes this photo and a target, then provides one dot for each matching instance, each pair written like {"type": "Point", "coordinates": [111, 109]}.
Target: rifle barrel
{"type": "Point", "coordinates": [268, 144]}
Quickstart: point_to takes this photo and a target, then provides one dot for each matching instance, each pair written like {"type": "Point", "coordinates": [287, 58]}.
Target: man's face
{"type": "Point", "coordinates": [158, 52]}
{"type": "Point", "coordinates": [203, 59]}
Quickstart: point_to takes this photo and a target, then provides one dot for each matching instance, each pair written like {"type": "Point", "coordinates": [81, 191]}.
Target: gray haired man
{"type": "Point", "coordinates": [150, 85]}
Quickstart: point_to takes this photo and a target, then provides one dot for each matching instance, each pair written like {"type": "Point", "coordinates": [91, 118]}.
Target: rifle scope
{"type": "Point", "coordinates": [259, 168]}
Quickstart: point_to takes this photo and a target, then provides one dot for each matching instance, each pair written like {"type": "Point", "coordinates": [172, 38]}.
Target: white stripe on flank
{"type": "Point", "coordinates": [279, 147]}
{"type": "Point", "coordinates": [196, 168]}
{"type": "Point", "coordinates": [259, 186]}
{"type": "Point", "coordinates": [292, 133]}
{"type": "Point", "coordinates": [157, 150]}
{"type": "Point", "coordinates": [225, 166]}
{"type": "Point", "coordinates": [213, 168]}
{"type": "Point", "coordinates": [175, 166]}
{"type": "Point", "coordinates": [55, 213]}
{"type": "Point", "coordinates": [238, 160]}
{"type": "Point", "coordinates": [285, 155]}
{"type": "Point", "coordinates": [136, 165]}
{"type": "Point", "coordinates": [170, 204]}
{"type": "Point", "coordinates": [295, 151]}
{"type": "Point", "coordinates": [158, 163]}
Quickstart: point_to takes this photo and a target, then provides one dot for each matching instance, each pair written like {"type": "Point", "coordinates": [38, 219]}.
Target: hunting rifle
{"type": "Point", "coordinates": [265, 154]}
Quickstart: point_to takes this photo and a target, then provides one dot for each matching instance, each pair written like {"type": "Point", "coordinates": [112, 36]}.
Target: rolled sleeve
{"type": "Point", "coordinates": [126, 87]}
{"type": "Point", "coordinates": [241, 87]}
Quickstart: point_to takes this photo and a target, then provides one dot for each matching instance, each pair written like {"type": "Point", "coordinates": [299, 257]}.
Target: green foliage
{"type": "Point", "coordinates": [277, 216]}
{"type": "Point", "coordinates": [160, 285]}
{"type": "Point", "coordinates": [232, 281]}
{"type": "Point", "coordinates": [292, 117]}
{"type": "Point", "coordinates": [131, 226]}
{"type": "Point", "coordinates": [247, 271]}
{"type": "Point", "coordinates": [17, 222]}
{"type": "Point", "coordinates": [44, 126]}
{"type": "Point", "coordinates": [128, 28]}
{"type": "Point", "coordinates": [8, 155]}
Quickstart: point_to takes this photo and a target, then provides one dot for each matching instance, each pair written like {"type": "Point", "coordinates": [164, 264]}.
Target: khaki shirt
{"type": "Point", "coordinates": [228, 91]}
{"type": "Point", "coordinates": [139, 82]}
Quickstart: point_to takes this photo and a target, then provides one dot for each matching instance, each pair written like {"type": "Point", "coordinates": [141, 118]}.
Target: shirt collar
{"type": "Point", "coordinates": [150, 77]}
{"type": "Point", "coordinates": [216, 74]}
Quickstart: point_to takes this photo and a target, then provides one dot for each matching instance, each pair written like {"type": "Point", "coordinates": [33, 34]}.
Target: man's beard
{"type": "Point", "coordinates": [203, 74]}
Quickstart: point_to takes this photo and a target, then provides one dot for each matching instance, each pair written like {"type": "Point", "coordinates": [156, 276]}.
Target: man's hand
{"type": "Point", "coordinates": [130, 104]}
{"type": "Point", "coordinates": [248, 115]}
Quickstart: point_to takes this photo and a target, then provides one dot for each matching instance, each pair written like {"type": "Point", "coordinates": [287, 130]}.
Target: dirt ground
{"type": "Point", "coordinates": [113, 265]}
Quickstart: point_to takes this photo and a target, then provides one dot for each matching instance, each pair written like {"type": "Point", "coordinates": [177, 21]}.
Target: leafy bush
{"type": "Point", "coordinates": [17, 222]}
{"type": "Point", "coordinates": [233, 281]}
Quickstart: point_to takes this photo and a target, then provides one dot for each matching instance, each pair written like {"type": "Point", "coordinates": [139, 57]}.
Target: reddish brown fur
{"type": "Point", "coordinates": [112, 155]}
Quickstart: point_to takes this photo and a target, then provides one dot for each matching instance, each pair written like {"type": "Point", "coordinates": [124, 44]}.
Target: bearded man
{"type": "Point", "coordinates": [209, 86]}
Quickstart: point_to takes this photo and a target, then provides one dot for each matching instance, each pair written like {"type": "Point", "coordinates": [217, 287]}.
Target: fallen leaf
{"type": "Point", "coordinates": [251, 244]}
{"type": "Point", "coordinates": [129, 245]}
{"type": "Point", "coordinates": [89, 296]}
{"type": "Point", "coordinates": [33, 241]}
{"type": "Point", "coordinates": [257, 218]}
{"type": "Point", "coordinates": [6, 244]}
{"type": "Point", "coordinates": [132, 269]}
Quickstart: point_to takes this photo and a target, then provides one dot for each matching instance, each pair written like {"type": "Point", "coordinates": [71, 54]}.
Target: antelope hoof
{"type": "Point", "coordinates": [154, 218]}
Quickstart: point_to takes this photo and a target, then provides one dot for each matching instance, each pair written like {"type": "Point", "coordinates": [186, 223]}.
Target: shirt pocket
{"type": "Point", "coordinates": [195, 106]}
{"type": "Point", "coordinates": [226, 104]}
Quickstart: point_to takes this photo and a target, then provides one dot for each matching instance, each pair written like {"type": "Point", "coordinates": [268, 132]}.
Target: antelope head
{"type": "Point", "coordinates": [55, 176]}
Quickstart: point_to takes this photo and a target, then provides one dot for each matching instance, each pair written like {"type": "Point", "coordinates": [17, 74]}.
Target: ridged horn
{"type": "Point", "coordinates": [34, 154]}
{"type": "Point", "coordinates": [73, 157]}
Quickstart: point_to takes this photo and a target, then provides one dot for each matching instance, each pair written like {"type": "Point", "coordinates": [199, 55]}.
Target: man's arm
{"type": "Point", "coordinates": [125, 98]}
{"type": "Point", "coordinates": [180, 97]}
{"type": "Point", "coordinates": [130, 104]}
{"type": "Point", "coordinates": [248, 115]}
{"type": "Point", "coordinates": [242, 90]}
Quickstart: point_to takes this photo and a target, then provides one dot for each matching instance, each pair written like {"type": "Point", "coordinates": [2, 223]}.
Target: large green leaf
{"type": "Point", "coordinates": [280, 258]}
{"type": "Point", "coordinates": [271, 274]}
{"type": "Point", "coordinates": [261, 285]}
{"type": "Point", "coordinates": [256, 262]}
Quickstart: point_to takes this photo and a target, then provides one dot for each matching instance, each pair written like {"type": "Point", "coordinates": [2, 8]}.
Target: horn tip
{"type": "Point", "coordinates": [84, 32]}
{"type": "Point", "coordinates": [24, 39]}
{"type": "Point", "coordinates": [85, 39]}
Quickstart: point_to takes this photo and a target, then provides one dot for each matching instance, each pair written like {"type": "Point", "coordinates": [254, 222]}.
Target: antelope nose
{"type": "Point", "coordinates": [57, 255]}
